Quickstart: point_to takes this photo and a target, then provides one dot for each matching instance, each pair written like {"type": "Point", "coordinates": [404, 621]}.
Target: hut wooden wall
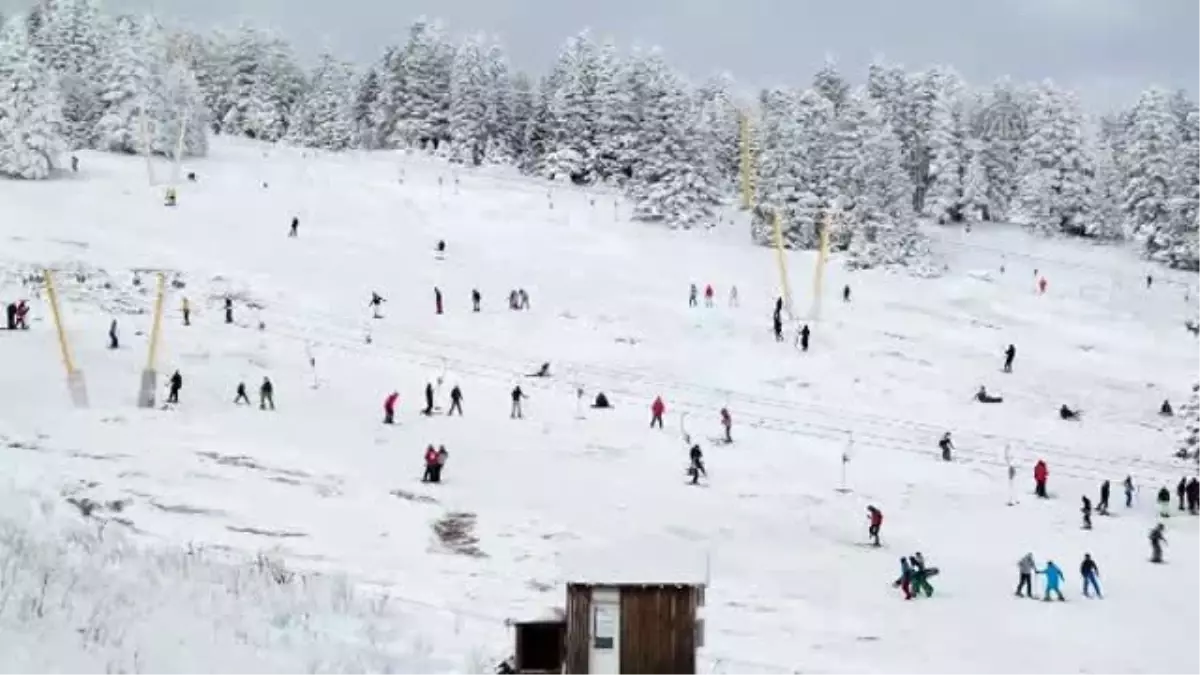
{"type": "Point", "coordinates": [658, 629]}
{"type": "Point", "coordinates": [579, 624]}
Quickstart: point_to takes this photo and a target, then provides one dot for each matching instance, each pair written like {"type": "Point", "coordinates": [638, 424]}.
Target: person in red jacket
{"type": "Point", "coordinates": [437, 299]}
{"type": "Point", "coordinates": [389, 407]}
{"type": "Point", "coordinates": [727, 424]}
{"type": "Point", "coordinates": [708, 295]}
{"type": "Point", "coordinates": [656, 412]}
{"type": "Point", "coordinates": [1040, 474]}
{"type": "Point", "coordinates": [875, 518]}
{"type": "Point", "coordinates": [431, 463]}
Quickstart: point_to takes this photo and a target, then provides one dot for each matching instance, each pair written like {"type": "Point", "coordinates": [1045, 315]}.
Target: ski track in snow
{"type": "Point", "coordinates": [321, 482]}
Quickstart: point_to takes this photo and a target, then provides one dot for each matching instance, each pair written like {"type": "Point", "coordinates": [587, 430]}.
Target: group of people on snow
{"type": "Point", "coordinates": [1089, 572]}
{"type": "Point", "coordinates": [16, 315]}
{"type": "Point", "coordinates": [710, 296]}
{"type": "Point", "coordinates": [914, 576]}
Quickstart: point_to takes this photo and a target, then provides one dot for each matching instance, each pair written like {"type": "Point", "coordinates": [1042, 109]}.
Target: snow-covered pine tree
{"type": "Point", "coordinates": [324, 116]}
{"type": "Point", "coordinates": [720, 115]}
{"type": "Point", "coordinates": [71, 42]}
{"type": "Point", "coordinates": [847, 177]}
{"type": "Point", "coordinates": [366, 98]}
{"type": "Point", "coordinates": [129, 93]}
{"type": "Point", "coordinates": [386, 107]}
{"type": "Point", "coordinates": [469, 93]}
{"type": "Point", "coordinates": [265, 84]}
{"type": "Point", "coordinates": [1189, 417]}
{"type": "Point", "coordinates": [422, 115]}
{"type": "Point", "coordinates": [499, 96]}
{"type": "Point", "coordinates": [1055, 192]}
{"type": "Point", "coordinates": [524, 108]}
{"type": "Point", "coordinates": [1107, 220]}
{"type": "Point", "coordinates": [182, 111]}
{"type": "Point", "coordinates": [828, 82]}
{"type": "Point", "coordinates": [1001, 128]}
{"type": "Point", "coordinates": [975, 201]}
{"type": "Point", "coordinates": [806, 192]}
{"type": "Point", "coordinates": [1151, 149]}
{"type": "Point", "coordinates": [1183, 249]}
{"type": "Point", "coordinates": [947, 138]}
{"type": "Point", "coordinates": [616, 125]}
{"type": "Point", "coordinates": [572, 108]}
{"type": "Point", "coordinates": [31, 140]}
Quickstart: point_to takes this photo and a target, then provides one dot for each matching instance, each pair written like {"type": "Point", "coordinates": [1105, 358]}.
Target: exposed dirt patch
{"type": "Point", "coordinates": [274, 534]}
{"type": "Point", "coordinates": [413, 497]}
{"type": "Point", "coordinates": [455, 532]}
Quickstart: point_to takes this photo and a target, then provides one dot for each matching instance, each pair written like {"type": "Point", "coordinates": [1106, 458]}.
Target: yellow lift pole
{"type": "Point", "coordinates": [76, 384]}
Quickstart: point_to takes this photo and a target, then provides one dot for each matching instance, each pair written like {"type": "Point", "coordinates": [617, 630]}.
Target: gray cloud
{"type": "Point", "coordinates": [1108, 50]}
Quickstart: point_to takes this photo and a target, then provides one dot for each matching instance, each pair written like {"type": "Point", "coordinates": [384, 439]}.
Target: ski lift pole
{"type": "Point", "coordinates": [75, 382]}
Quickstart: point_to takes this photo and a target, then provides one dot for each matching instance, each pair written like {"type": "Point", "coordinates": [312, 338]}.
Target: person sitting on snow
{"type": "Point", "coordinates": [983, 397]}
{"type": "Point", "coordinates": [1067, 414]}
{"type": "Point", "coordinates": [1165, 410]}
{"type": "Point", "coordinates": [544, 371]}
{"type": "Point", "coordinates": [601, 401]}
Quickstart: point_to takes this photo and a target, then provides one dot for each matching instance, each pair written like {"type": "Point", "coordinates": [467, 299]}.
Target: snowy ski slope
{"type": "Point", "coordinates": [321, 484]}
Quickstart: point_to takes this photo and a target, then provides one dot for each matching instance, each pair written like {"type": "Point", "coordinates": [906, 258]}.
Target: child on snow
{"type": "Point", "coordinates": [1054, 578]}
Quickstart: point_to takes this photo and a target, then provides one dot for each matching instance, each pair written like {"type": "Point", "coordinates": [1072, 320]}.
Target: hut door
{"type": "Point", "coordinates": [605, 658]}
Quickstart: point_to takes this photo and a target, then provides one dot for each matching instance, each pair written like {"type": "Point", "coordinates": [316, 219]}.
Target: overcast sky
{"type": "Point", "coordinates": [1107, 50]}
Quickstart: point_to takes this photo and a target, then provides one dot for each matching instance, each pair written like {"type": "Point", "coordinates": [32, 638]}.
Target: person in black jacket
{"type": "Point", "coordinates": [517, 395]}
{"type": "Point", "coordinates": [1009, 354]}
{"type": "Point", "coordinates": [266, 395]}
{"type": "Point", "coordinates": [174, 385]}
{"type": "Point", "coordinates": [1102, 506]}
{"type": "Point", "coordinates": [1091, 576]}
{"type": "Point", "coordinates": [696, 464]}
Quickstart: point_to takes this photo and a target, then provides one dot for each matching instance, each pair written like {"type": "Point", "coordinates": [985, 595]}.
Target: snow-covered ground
{"type": "Point", "coordinates": [323, 486]}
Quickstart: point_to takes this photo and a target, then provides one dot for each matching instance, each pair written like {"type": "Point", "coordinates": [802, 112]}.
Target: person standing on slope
{"type": "Point", "coordinates": [428, 399]}
{"type": "Point", "coordinates": [657, 408]}
{"type": "Point", "coordinates": [431, 456]}
{"type": "Point", "coordinates": [1086, 510]}
{"type": "Point", "coordinates": [476, 298]}
{"type": "Point", "coordinates": [187, 312]}
{"type": "Point", "coordinates": [389, 407]}
{"type": "Point", "coordinates": [437, 299]}
{"type": "Point", "coordinates": [455, 401]}
{"type": "Point", "coordinates": [696, 464]}
{"type": "Point", "coordinates": [1091, 576]}
{"type": "Point", "coordinates": [1157, 539]}
{"type": "Point", "coordinates": [517, 395]}
{"type": "Point", "coordinates": [295, 226]}
{"type": "Point", "coordinates": [173, 387]}
{"type": "Point", "coordinates": [733, 296]}
{"type": "Point", "coordinates": [905, 580]}
{"type": "Point", "coordinates": [1102, 505]}
{"type": "Point", "coordinates": [777, 326]}
{"type": "Point", "coordinates": [1164, 502]}
{"type": "Point", "coordinates": [113, 343]}
{"type": "Point", "coordinates": [228, 309]}
{"type": "Point", "coordinates": [875, 520]}
{"type": "Point", "coordinates": [1040, 474]}
{"type": "Point", "coordinates": [727, 424]}
{"type": "Point", "coordinates": [693, 293]}
{"type": "Point", "coordinates": [1128, 485]}
{"type": "Point", "coordinates": [242, 396]}
{"type": "Point", "coordinates": [1054, 578]}
{"type": "Point", "coordinates": [946, 445]}
{"type": "Point", "coordinates": [1025, 570]}
{"type": "Point", "coordinates": [1009, 354]}
{"type": "Point", "coordinates": [921, 575]}
{"type": "Point", "coordinates": [708, 295]}
{"type": "Point", "coordinates": [266, 395]}
{"type": "Point", "coordinates": [804, 333]}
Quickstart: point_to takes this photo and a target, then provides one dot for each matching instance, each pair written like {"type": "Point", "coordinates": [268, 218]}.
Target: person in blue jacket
{"type": "Point", "coordinates": [1054, 577]}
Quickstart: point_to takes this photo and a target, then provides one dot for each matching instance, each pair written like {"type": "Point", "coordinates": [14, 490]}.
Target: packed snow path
{"type": "Point", "coordinates": [324, 484]}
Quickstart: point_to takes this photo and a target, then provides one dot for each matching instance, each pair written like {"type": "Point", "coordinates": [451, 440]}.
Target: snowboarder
{"type": "Point", "coordinates": [389, 407]}
{"type": "Point", "coordinates": [437, 299]}
{"type": "Point", "coordinates": [1157, 539]}
{"type": "Point", "coordinates": [777, 326]}
{"type": "Point", "coordinates": [173, 387]}
{"type": "Point", "coordinates": [1128, 485]}
{"type": "Point", "coordinates": [295, 226]}
{"type": "Point", "coordinates": [846, 293]}
{"type": "Point", "coordinates": [1164, 502]}
{"type": "Point", "coordinates": [657, 408]}
{"type": "Point", "coordinates": [1054, 578]}
{"type": "Point", "coordinates": [1067, 414]}
{"type": "Point", "coordinates": [1091, 576]}
{"type": "Point", "coordinates": [1086, 510]}
{"type": "Point", "coordinates": [430, 464]}
{"type": "Point", "coordinates": [601, 401]}
{"type": "Point", "coordinates": [455, 401]}
{"type": "Point", "coordinates": [428, 399]}
{"type": "Point", "coordinates": [241, 396]}
{"type": "Point", "coordinates": [522, 299]}
{"type": "Point", "coordinates": [228, 309]}
{"type": "Point", "coordinates": [983, 397]}
{"type": "Point", "coordinates": [543, 371]}
{"type": "Point", "coordinates": [1040, 474]}
{"type": "Point", "coordinates": [727, 424]}
{"type": "Point", "coordinates": [113, 343]}
{"type": "Point", "coordinates": [733, 296]}
{"type": "Point", "coordinates": [708, 295]}
{"type": "Point", "coordinates": [804, 333]}
{"type": "Point", "coordinates": [517, 395]}
{"type": "Point", "coordinates": [1025, 570]}
{"type": "Point", "coordinates": [1193, 496]}
{"type": "Point", "coordinates": [875, 521]}
{"type": "Point", "coordinates": [693, 292]}
{"type": "Point", "coordinates": [187, 312]}
{"type": "Point", "coordinates": [946, 445]}
{"type": "Point", "coordinates": [476, 298]}
{"type": "Point", "coordinates": [696, 464]}
{"type": "Point", "coordinates": [1009, 354]}
{"type": "Point", "coordinates": [266, 395]}
{"type": "Point", "coordinates": [1102, 505]}
{"type": "Point", "coordinates": [905, 580]}
{"type": "Point", "coordinates": [1165, 409]}
{"type": "Point", "coordinates": [921, 575]}
{"type": "Point", "coordinates": [375, 304]}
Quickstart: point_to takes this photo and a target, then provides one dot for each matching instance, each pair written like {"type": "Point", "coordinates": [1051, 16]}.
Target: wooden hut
{"type": "Point", "coordinates": [640, 613]}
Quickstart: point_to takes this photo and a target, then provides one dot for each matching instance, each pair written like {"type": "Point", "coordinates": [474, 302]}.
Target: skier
{"type": "Point", "coordinates": [522, 299]}
{"type": "Point", "coordinates": [430, 464]}
{"type": "Point", "coordinates": [1067, 414]}
{"type": "Point", "coordinates": [1157, 539]}
{"type": "Point", "coordinates": [428, 399]}
{"type": "Point", "coordinates": [266, 395]}
{"type": "Point", "coordinates": [543, 371]}
{"type": "Point", "coordinates": [1025, 570]}
{"type": "Point", "coordinates": [437, 299]}
{"type": "Point", "coordinates": [455, 401]}
{"type": "Point", "coordinates": [1181, 491]}
{"type": "Point", "coordinates": [727, 424]}
{"type": "Point", "coordinates": [1009, 354]}
{"type": "Point", "coordinates": [1086, 510]}
{"type": "Point", "coordinates": [241, 397]}
{"type": "Point", "coordinates": [708, 295]}
{"type": "Point", "coordinates": [1165, 409]}
{"type": "Point", "coordinates": [657, 408]}
{"type": "Point", "coordinates": [1128, 485]}
{"type": "Point", "coordinates": [1091, 576]}
{"type": "Point", "coordinates": [1193, 496]}
{"type": "Point", "coordinates": [1040, 474]}
{"type": "Point", "coordinates": [1042, 285]}
{"type": "Point", "coordinates": [517, 395]}
{"type": "Point", "coordinates": [804, 333]}
{"type": "Point", "coordinates": [875, 520]}
{"type": "Point", "coordinates": [696, 464]}
{"type": "Point", "coordinates": [946, 445]}
{"type": "Point", "coordinates": [187, 312]}
{"type": "Point", "coordinates": [113, 343]}
{"type": "Point", "coordinates": [1054, 578]}
{"type": "Point", "coordinates": [905, 580]}
{"type": "Point", "coordinates": [692, 294]}
{"type": "Point", "coordinates": [295, 226]}
{"type": "Point", "coordinates": [733, 296]}
{"type": "Point", "coordinates": [1164, 502]}
{"type": "Point", "coordinates": [1102, 505]}
{"type": "Point", "coordinates": [514, 303]}
{"type": "Point", "coordinates": [440, 463]}
{"type": "Point", "coordinates": [228, 309]}
{"type": "Point", "coordinates": [983, 397]}
{"type": "Point", "coordinates": [601, 402]}
{"type": "Point", "coordinates": [777, 326]}
{"type": "Point", "coordinates": [389, 407]}
{"type": "Point", "coordinates": [375, 304]}
{"type": "Point", "coordinates": [174, 385]}
{"type": "Point", "coordinates": [846, 293]}
{"type": "Point", "coordinates": [476, 298]}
